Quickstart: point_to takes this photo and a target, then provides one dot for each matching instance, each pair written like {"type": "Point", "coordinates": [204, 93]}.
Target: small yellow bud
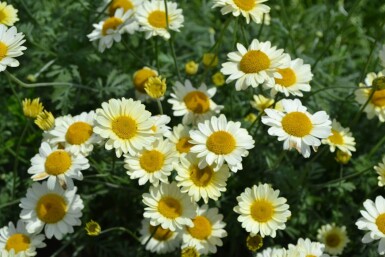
{"type": "Point", "coordinates": [189, 252]}
{"type": "Point", "coordinates": [31, 78]}
{"type": "Point", "coordinates": [218, 79]}
{"type": "Point", "coordinates": [191, 68]}
{"type": "Point", "coordinates": [141, 76]}
{"type": "Point", "coordinates": [210, 60]}
{"type": "Point", "coordinates": [45, 120]}
{"type": "Point", "coordinates": [155, 87]}
{"type": "Point", "coordinates": [254, 243]}
{"type": "Point", "coordinates": [93, 228]}
{"type": "Point", "coordinates": [342, 157]}
{"type": "Point", "coordinates": [32, 108]}
{"type": "Point", "coordinates": [251, 117]}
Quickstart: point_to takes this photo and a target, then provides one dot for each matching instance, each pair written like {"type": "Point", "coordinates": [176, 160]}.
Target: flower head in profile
{"type": "Point", "coordinates": [297, 127]}
{"type": "Point", "coordinates": [45, 120]}
{"type": "Point", "coordinates": [274, 252]}
{"type": "Point", "coordinates": [32, 108]}
{"type": "Point", "coordinates": [341, 139]}
{"type": "Point", "coordinates": [306, 247]}
{"type": "Point", "coordinates": [254, 9]}
{"type": "Point", "coordinates": [140, 78]}
{"type": "Point", "coordinates": [8, 14]}
{"type": "Point", "coordinates": [333, 237]}
{"type": "Point", "coordinates": [380, 169]}
{"type": "Point", "coordinates": [254, 66]}
{"type": "Point", "coordinates": [11, 46]}
{"type": "Point", "coordinates": [261, 103]}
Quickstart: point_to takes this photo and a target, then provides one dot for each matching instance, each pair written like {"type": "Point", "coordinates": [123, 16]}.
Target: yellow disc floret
{"type": "Point", "coordinates": [111, 23]}
{"type": "Point", "coordinates": [51, 208]}
{"type": "Point", "coordinates": [254, 61]}
{"type": "Point", "coordinates": [183, 145]}
{"type": "Point", "coordinates": [58, 162]}
{"type": "Point", "coordinates": [202, 228]}
{"type": "Point", "coordinates": [336, 138]}
{"type": "Point", "coordinates": [197, 102]}
{"type": "Point", "coordinates": [297, 124]}
{"type": "Point", "coordinates": [115, 4]}
{"type": "Point", "coordinates": [380, 222]}
{"type": "Point", "coordinates": [161, 234]}
{"type": "Point", "coordinates": [18, 242]}
{"type": "Point", "coordinates": [288, 77]}
{"type": "Point", "coordinates": [262, 211]}
{"type": "Point", "coordinates": [245, 5]}
{"type": "Point", "coordinates": [378, 98]}
{"type": "Point", "coordinates": [3, 50]}
{"type": "Point", "coordinates": [78, 133]}
{"type": "Point", "coordinates": [170, 207]}
{"type": "Point", "coordinates": [332, 240]}
{"type": "Point", "coordinates": [254, 243]}
{"type": "Point", "coordinates": [141, 77]}
{"type": "Point", "coordinates": [151, 161]}
{"type": "Point", "coordinates": [158, 19]}
{"type": "Point", "coordinates": [201, 177]}
{"type": "Point", "coordinates": [124, 127]}
{"type": "Point", "coordinates": [221, 142]}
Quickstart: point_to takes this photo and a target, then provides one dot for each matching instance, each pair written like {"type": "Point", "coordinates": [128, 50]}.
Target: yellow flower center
{"type": "Point", "coordinates": [254, 243]}
{"type": "Point", "coordinates": [18, 242]}
{"type": "Point", "coordinates": [202, 228]}
{"type": "Point", "coordinates": [197, 102]}
{"type": "Point", "coordinates": [297, 124]}
{"type": "Point", "coordinates": [78, 133]}
{"type": "Point", "coordinates": [158, 19]}
{"type": "Point", "coordinates": [254, 61]}
{"type": "Point", "coordinates": [183, 146]}
{"type": "Point", "coordinates": [3, 50]}
{"type": "Point", "coordinates": [378, 98]}
{"type": "Point", "coordinates": [246, 5]}
{"type": "Point", "coordinates": [125, 4]}
{"type": "Point", "coordinates": [310, 255]}
{"type": "Point", "coordinates": [189, 252]}
{"type": "Point", "coordinates": [161, 234]}
{"type": "Point", "coordinates": [380, 222]}
{"type": "Point", "coordinates": [151, 161]}
{"type": "Point", "coordinates": [201, 177]}
{"type": "Point", "coordinates": [141, 77]}
{"type": "Point", "coordinates": [332, 240]}
{"type": "Point", "coordinates": [51, 208]}
{"type": "Point", "coordinates": [221, 142]}
{"type": "Point", "coordinates": [111, 23]}
{"type": "Point", "coordinates": [288, 77]}
{"type": "Point", "coordinates": [58, 162]}
{"type": "Point", "coordinates": [170, 207]}
{"type": "Point", "coordinates": [336, 138]}
{"type": "Point", "coordinates": [124, 127]}
{"type": "Point", "coordinates": [262, 211]}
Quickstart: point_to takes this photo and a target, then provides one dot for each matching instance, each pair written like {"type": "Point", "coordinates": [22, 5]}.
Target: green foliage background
{"type": "Point", "coordinates": [340, 39]}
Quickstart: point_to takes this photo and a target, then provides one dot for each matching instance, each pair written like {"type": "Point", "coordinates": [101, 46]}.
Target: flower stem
{"type": "Point", "coordinates": [132, 234]}
{"type": "Point", "coordinates": [16, 162]}
{"type": "Point", "coordinates": [159, 106]}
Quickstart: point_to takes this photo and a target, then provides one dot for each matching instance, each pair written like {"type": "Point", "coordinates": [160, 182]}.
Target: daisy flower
{"type": "Point", "coordinates": [168, 207]}
{"type": "Point", "coordinates": [57, 165]}
{"type": "Point", "coordinates": [341, 138]}
{"type": "Point", "coordinates": [32, 108]}
{"type": "Point", "coordinates": [373, 222]}
{"type": "Point", "coordinates": [76, 133]}
{"type": "Point", "coordinates": [194, 104]}
{"type": "Point", "coordinates": [218, 141]}
{"type": "Point", "coordinates": [305, 247]}
{"type": "Point", "coordinates": [140, 78]}
{"type": "Point", "coordinates": [262, 211]}
{"type": "Point", "coordinates": [159, 127]}
{"type": "Point", "coordinates": [19, 240]}
{"type": "Point", "coordinates": [294, 79]}
{"type": "Point", "coordinates": [206, 233]}
{"type": "Point", "coordinates": [10, 46]}
{"type": "Point", "coordinates": [333, 237]}
{"type": "Point", "coordinates": [127, 6]}
{"type": "Point", "coordinates": [248, 8]}
{"type": "Point", "coordinates": [180, 137]}
{"type": "Point", "coordinates": [272, 252]}
{"type": "Point", "coordinates": [57, 211]}
{"type": "Point", "coordinates": [158, 239]}
{"type": "Point", "coordinates": [111, 29]}
{"type": "Point", "coordinates": [8, 14]}
{"type": "Point", "coordinates": [255, 65]}
{"type": "Point", "coordinates": [153, 163]}
{"type": "Point", "coordinates": [376, 105]}
{"type": "Point", "coordinates": [254, 243]}
{"type": "Point", "coordinates": [153, 21]}
{"type": "Point", "coordinates": [380, 169]}
{"type": "Point", "coordinates": [202, 183]}
{"type": "Point", "coordinates": [125, 124]}
{"type": "Point", "coordinates": [297, 127]}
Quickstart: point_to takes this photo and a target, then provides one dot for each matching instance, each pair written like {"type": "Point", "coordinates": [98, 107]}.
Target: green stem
{"type": "Point", "coordinates": [159, 106]}
{"type": "Point", "coordinates": [157, 54]}
{"type": "Point", "coordinates": [261, 27]}
{"type": "Point", "coordinates": [122, 229]}
{"type": "Point", "coordinates": [375, 148]}
{"type": "Point", "coordinates": [152, 235]}
{"type": "Point", "coordinates": [16, 162]}
{"type": "Point", "coordinates": [344, 178]}
{"type": "Point", "coordinates": [129, 50]}
{"type": "Point", "coordinates": [9, 203]}
{"type": "Point", "coordinates": [331, 88]}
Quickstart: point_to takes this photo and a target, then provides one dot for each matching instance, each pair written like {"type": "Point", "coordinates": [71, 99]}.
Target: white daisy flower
{"type": "Point", "coordinates": [341, 138]}
{"type": "Point", "coordinates": [376, 105]}
{"type": "Point", "coordinates": [168, 207]}
{"type": "Point", "coordinates": [380, 169]}
{"type": "Point", "coordinates": [8, 14]}
{"type": "Point", "coordinates": [19, 240]}
{"type": "Point", "coordinates": [255, 65]}
{"type": "Point", "coordinates": [373, 222]}
{"type": "Point", "coordinates": [194, 104]}
{"type": "Point", "coordinates": [206, 233]}
{"type": "Point", "coordinates": [333, 237]}
{"type": "Point", "coordinates": [10, 47]}
{"type": "Point", "coordinates": [126, 124]}
{"type": "Point", "coordinates": [294, 79]}
{"type": "Point", "coordinates": [248, 8]}
{"type": "Point", "coordinates": [159, 127]}
{"type": "Point", "coordinates": [158, 239]}
{"type": "Point", "coordinates": [111, 29]}
{"type": "Point", "coordinates": [297, 127]}
{"type": "Point", "coordinates": [57, 211]}
{"type": "Point", "coordinates": [180, 137]}
{"type": "Point", "coordinates": [58, 165]}
{"type": "Point", "coordinates": [218, 141]}
{"type": "Point", "coordinates": [272, 252]}
{"type": "Point", "coordinates": [140, 78]}
{"type": "Point", "coordinates": [76, 133]}
{"type": "Point", "coordinates": [126, 5]}
{"type": "Point", "coordinates": [262, 211]}
{"type": "Point", "coordinates": [202, 183]}
{"type": "Point", "coordinates": [153, 163]}
{"type": "Point", "coordinates": [261, 103]}
{"type": "Point", "coordinates": [382, 56]}
{"type": "Point", "coordinates": [153, 21]}
{"type": "Point", "coordinates": [305, 248]}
